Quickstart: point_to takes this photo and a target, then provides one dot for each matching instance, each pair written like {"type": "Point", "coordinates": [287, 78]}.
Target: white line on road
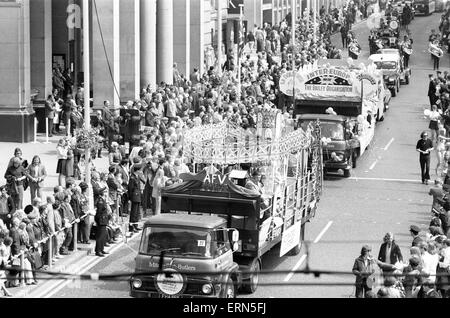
{"type": "Point", "coordinates": [384, 179]}
{"type": "Point", "coordinates": [372, 166]}
{"type": "Point", "coordinates": [389, 144]}
{"type": "Point", "coordinates": [299, 263]}
{"type": "Point", "coordinates": [319, 237]}
{"type": "Point", "coordinates": [303, 258]}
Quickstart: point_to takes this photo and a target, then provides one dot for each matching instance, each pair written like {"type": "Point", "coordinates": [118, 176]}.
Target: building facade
{"type": "Point", "coordinates": [134, 43]}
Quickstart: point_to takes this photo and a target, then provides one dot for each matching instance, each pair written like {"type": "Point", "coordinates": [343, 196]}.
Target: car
{"type": "Point", "coordinates": [393, 70]}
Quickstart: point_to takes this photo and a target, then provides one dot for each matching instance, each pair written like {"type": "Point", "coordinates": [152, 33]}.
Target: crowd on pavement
{"type": "Point", "coordinates": [427, 271]}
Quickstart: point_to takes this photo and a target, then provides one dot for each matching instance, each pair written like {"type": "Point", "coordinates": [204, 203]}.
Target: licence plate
{"type": "Point", "coordinates": [169, 296]}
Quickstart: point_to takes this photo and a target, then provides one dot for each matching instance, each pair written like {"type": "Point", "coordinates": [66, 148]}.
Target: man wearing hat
{"type": "Point", "coordinates": [101, 219]}
{"type": "Point", "coordinates": [415, 230]}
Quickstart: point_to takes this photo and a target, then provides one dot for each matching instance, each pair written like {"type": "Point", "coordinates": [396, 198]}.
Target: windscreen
{"type": "Point", "coordinates": [176, 242]}
{"type": "Point", "coordinates": [387, 65]}
{"type": "Point", "coordinates": [332, 130]}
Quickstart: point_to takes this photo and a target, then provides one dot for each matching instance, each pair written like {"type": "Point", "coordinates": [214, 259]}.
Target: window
{"type": "Point", "coordinates": [176, 242]}
{"type": "Point", "coordinates": [333, 130]}
{"type": "Point", "coordinates": [389, 65]}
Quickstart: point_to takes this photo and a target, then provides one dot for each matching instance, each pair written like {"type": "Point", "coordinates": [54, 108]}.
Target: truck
{"type": "Point", "coordinates": [347, 100]}
{"type": "Point", "coordinates": [394, 71]}
{"type": "Point", "coordinates": [214, 231]}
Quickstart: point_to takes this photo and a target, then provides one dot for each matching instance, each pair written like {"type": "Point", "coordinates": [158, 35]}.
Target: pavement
{"type": "Point", "coordinates": [384, 194]}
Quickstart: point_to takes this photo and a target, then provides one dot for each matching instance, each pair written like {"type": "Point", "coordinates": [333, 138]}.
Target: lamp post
{"type": "Point", "coordinates": [315, 20]}
{"type": "Point", "coordinates": [241, 16]}
{"type": "Point", "coordinates": [219, 36]}
{"type": "Point", "coordinates": [87, 97]}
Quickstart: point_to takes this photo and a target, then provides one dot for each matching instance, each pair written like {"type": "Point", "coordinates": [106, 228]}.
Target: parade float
{"type": "Point", "coordinates": [347, 98]}
{"type": "Point", "coordinates": [218, 224]}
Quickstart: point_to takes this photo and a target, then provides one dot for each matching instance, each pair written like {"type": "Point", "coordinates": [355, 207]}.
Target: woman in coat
{"type": "Point", "coordinates": [15, 176]}
{"type": "Point", "coordinates": [36, 175]}
{"type": "Point", "coordinates": [134, 192]}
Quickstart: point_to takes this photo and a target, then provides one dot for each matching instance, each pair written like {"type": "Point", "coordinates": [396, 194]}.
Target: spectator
{"type": "Point", "coordinates": [67, 217]}
{"type": "Point", "coordinates": [101, 219]}
{"type": "Point", "coordinates": [62, 150]}
{"type": "Point", "coordinates": [15, 177]}
{"type": "Point", "coordinates": [363, 269]}
{"type": "Point", "coordinates": [7, 206]}
{"type": "Point", "coordinates": [115, 156]}
{"type": "Point", "coordinates": [134, 191]}
{"type": "Point", "coordinates": [36, 174]}
{"type": "Point", "coordinates": [390, 252]}
{"type": "Point", "coordinates": [50, 110]}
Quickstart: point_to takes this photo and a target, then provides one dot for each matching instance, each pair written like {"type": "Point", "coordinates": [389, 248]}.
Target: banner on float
{"type": "Point", "coordinates": [327, 81]}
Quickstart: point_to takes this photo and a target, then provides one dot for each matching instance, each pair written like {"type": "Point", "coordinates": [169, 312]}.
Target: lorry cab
{"type": "Point", "coordinates": [188, 244]}
{"type": "Point", "coordinates": [392, 66]}
{"type": "Point", "coordinates": [343, 140]}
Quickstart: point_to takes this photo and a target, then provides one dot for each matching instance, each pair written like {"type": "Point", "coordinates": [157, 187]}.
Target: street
{"type": "Point", "coordinates": [384, 194]}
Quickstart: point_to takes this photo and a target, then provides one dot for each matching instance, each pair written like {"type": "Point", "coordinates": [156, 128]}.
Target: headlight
{"type": "Point", "coordinates": [137, 283]}
{"type": "Point", "coordinates": [207, 289]}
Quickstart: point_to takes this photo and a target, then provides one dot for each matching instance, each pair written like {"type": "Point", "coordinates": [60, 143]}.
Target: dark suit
{"type": "Point", "coordinates": [125, 179]}
{"type": "Point", "coordinates": [101, 218]}
{"type": "Point", "coordinates": [432, 93]}
{"type": "Point", "coordinates": [395, 255]}
{"type": "Point", "coordinates": [135, 195]}
{"type": "Point", "coordinates": [362, 272]}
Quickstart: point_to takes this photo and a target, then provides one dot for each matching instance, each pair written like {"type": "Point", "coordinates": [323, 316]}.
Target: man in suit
{"type": "Point", "coordinates": [415, 230]}
{"type": "Point", "coordinates": [101, 219]}
{"type": "Point", "coordinates": [135, 195]}
{"type": "Point", "coordinates": [106, 118]}
{"type": "Point", "coordinates": [432, 90]}
{"type": "Point", "coordinates": [123, 169]}
{"type": "Point", "coordinates": [390, 252]}
{"type": "Point", "coordinates": [50, 108]}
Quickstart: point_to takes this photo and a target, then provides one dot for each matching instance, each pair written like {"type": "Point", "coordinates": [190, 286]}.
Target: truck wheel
{"type": "Point", "coordinates": [229, 291]}
{"type": "Point", "coordinates": [347, 173]}
{"type": "Point", "coordinates": [394, 92]}
{"type": "Point", "coordinates": [407, 80]}
{"type": "Point", "coordinates": [250, 285]}
{"type": "Point", "coordinates": [398, 86]}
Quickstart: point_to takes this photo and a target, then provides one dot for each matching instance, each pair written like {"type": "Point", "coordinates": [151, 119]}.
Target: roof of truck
{"type": "Point", "coordinates": [384, 57]}
{"type": "Point", "coordinates": [186, 220]}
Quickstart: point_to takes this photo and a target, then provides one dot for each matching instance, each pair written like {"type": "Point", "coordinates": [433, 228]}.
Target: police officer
{"type": "Point", "coordinates": [101, 218]}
